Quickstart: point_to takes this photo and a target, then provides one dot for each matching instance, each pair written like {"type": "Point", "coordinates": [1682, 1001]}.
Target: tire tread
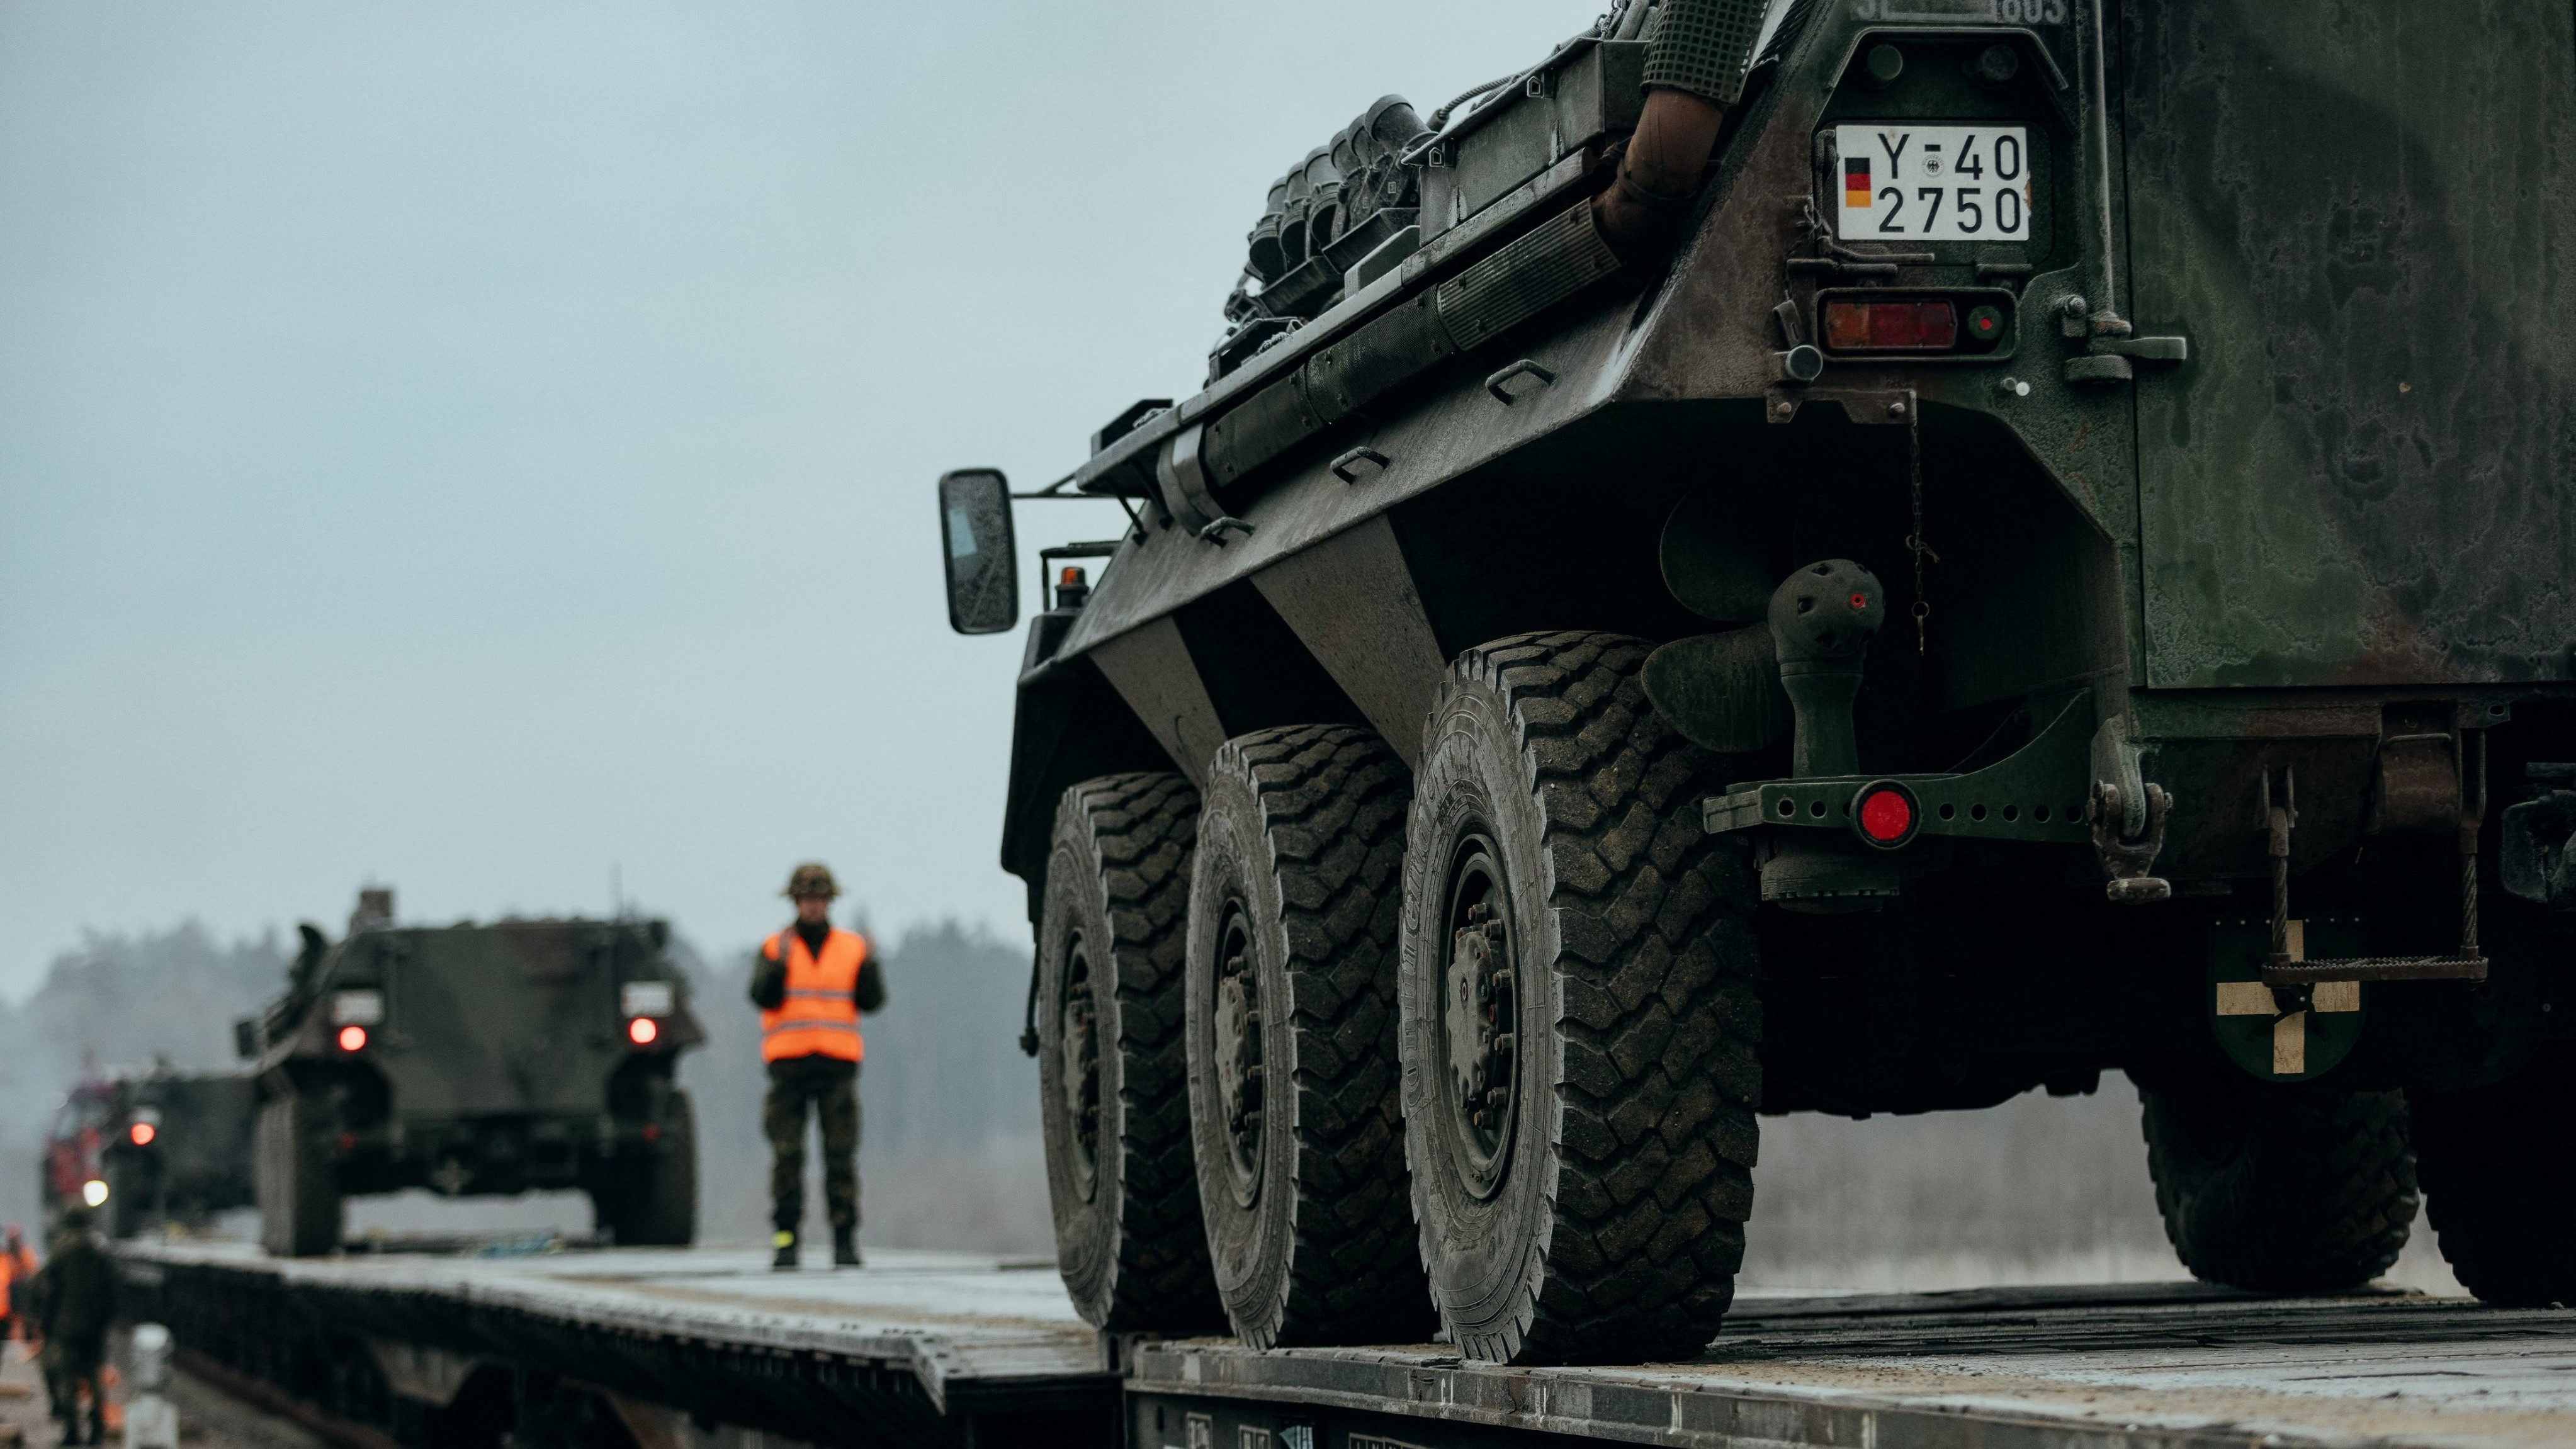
{"type": "Point", "coordinates": [2498, 1176]}
{"type": "Point", "coordinates": [1143, 825]}
{"type": "Point", "coordinates": [1333, 800]}
{"type": "Point", "coordinates": [1660, 1016]}
{"type": "Point", "coordinates": [2318, 1195]}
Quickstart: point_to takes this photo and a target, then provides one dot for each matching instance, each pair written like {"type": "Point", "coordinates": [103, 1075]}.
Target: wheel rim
{"type": "Point", "coordinates": [1079, 1081]}
{"type": "Point", "coordinates": [1478, 1007]}
{"type": "Point", "coordinates": [1236, 1037]}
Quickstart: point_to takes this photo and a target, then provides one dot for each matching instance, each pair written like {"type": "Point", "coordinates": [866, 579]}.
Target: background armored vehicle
{"type": "Point", "coordinates": [1849, 558]}
{"type": "Point", "coordinates": [476, 1060]}
{"type": "Point", "coordinates": [160, 1147]}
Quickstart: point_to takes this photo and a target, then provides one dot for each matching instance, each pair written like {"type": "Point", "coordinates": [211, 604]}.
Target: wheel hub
{"type": "Point", "coordinates": [1237, 1041]}
{"type": "Point", "coordinates": [1478, 1008]}
{"type": "Point", "coordinates": [1080, 1079]}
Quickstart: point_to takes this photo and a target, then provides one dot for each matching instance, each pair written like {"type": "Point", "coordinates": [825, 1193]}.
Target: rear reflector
{"type": "Point", "coordinates": [1885, 815]}
{"type": "Point", "coordinates": [1855, 326]}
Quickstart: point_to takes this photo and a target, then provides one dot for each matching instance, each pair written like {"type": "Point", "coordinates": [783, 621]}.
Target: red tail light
{"type": "Point", "coordinates": [1910, 326]}
{"type": "Point", "coordinates": [1886, 815]}
{"type": "Point", "coordinates": [142, 1133]}
{"type": "Point", "coordinates": [353, 1038]}
{"type": "Point", "coordinates": [643, 1031]}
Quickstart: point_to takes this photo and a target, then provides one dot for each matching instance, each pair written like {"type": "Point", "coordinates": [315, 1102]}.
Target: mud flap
{"type": "Point", "coordinates": [2283, 1033]}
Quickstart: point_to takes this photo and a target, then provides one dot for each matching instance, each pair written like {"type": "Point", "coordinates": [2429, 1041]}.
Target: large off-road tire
{"type": "Point", "coordinates": [299, 1203]}
{"type": "Point", "coordinates": [1580, 1017]}
{"type": "Point", "coordinates": [650, 1199]}
{"type": "Point", "coordinates": [2499, 1170]}
{"type": "Point", "coordinates": [1295, 904]}
{"type": "Point", "coordinates": [1113, 1099]}
{"type": "Point", "coordinates": [2280, 1189]}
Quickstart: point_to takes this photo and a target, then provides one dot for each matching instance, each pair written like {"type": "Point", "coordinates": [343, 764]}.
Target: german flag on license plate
{"type": "Point", "coordinates": [1856, 187]}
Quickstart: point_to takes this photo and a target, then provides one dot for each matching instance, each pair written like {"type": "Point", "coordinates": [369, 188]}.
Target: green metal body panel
{"type": "Point", "coordinates": [2361, 214]}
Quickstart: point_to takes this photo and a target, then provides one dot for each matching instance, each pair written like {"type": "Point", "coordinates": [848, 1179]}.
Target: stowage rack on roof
{"type": "Point", "coordinates": [1344, 201]}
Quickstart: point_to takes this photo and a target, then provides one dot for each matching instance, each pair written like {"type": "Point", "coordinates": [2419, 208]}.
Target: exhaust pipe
{"type": "Point", "coordinates": [1695, 66]}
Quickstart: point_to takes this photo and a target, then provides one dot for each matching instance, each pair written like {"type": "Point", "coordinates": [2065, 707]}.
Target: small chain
{"type": "Point", "coordinates": [1914, 541]}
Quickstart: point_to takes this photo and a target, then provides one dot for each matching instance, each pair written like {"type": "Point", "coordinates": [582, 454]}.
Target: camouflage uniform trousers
{"type": "Point", "coordinates": [69, 1364]}
{"type": "Point", "coordinates": [832, 1086]}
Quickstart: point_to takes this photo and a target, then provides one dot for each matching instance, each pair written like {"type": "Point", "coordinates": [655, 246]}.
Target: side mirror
{"type": "Point", "coordinates": [981, 553]}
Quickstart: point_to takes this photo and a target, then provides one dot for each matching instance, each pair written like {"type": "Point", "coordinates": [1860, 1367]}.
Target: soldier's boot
{"type": "Point", "coordinates": [845, 1247]}
{"type": "Point", "coordinates": [785, 1241]}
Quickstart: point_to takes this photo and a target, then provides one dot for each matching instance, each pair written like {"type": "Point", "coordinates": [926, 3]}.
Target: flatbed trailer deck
{"type": "Point", "coordinates": [951, 1349]}
{"type": "Point", "coordinates": [2166, 1365]}
{"type": "Point", "coordinates": [918, 1348]}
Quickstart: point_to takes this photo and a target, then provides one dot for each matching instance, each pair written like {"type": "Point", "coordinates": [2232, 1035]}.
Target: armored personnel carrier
{"type": "Point", "coordinates": [475, 1060]}
{"type": "Point", "coordinates": [151, 1146]}
{"type": "Point", "coordinates": [1845, 558]}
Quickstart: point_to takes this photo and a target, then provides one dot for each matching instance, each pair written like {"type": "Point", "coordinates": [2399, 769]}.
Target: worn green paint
{"type": "Point", "coordinates": [2359, 213]}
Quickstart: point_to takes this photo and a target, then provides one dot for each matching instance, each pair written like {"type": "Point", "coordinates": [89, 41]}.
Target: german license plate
{"type": "Point", "coordinates": [1934, 183]}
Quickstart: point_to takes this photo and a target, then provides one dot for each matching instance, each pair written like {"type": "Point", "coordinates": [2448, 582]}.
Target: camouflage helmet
{"type": "Point", "coordinates": [811, 879]}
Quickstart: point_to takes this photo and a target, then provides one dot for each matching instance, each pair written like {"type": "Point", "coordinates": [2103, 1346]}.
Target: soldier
{"type": "Point", "coordinates": [810, 983]}
{"type": "Point", "coordinates": [72, 1301]}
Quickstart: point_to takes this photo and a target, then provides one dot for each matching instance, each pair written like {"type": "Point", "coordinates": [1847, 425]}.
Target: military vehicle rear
{"type": "Point", "coordinates": [476, 1060]}
{"type": "Point", "coordinates": [1853, 558]}
{"type": "Point", "coordinates": [150, 1147]}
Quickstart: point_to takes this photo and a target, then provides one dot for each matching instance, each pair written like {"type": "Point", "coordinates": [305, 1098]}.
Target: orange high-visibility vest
{"type": "Point", "coordinates": [820, 1016]}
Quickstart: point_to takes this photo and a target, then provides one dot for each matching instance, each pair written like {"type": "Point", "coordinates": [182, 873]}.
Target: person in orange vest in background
{"type": "Point", "coordinates": [17, 1269]}
{"type": "Point", "coordinates": [811, 982]}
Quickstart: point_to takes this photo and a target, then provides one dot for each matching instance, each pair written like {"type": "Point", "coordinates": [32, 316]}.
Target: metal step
{"type": "Point", "coordinates": [2377, 968]}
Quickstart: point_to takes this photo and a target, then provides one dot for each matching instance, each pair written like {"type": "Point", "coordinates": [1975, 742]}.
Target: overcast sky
{"type": "Point", "coordinates": [483, 447]}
